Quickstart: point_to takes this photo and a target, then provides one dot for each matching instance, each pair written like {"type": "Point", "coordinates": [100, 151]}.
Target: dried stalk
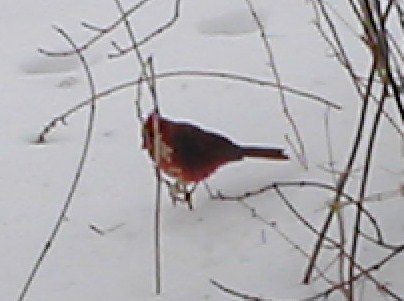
{"type": "Point", "coordinates": [62, 215]}
{"type": "Point", "coordinates": [301, 154]}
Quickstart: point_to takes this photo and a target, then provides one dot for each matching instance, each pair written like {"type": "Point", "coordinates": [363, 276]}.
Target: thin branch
{"type": "Point", "coordinates": [363, 272]}
{"type": "Point", "coordinates": [79, 170]}
{"type": "Point", "coordinates": [147, 70]}
{"type": "Point", "coordinates": [100, 33]}
{"type": "Point", "coordinates": [311, 184]}
{"type": "Point", "coordinates": [301, 156]}
{"type": "Point", "coordinates": [343, 178]}
{"type": "Point", "coordinates": [155, 33]}
{"type": "Point", "coordinates": [340, 213]}
{"type": "Point", "coordinates": [365, 177]}
{"type": "Point", "coordinates": [340, 53]}
{"type": "Point", "coordinates": [175, 74]}
{"type": "Point", "coordinates": [271, 224]}
{"type": "Point", "coordinates": [235, 293]}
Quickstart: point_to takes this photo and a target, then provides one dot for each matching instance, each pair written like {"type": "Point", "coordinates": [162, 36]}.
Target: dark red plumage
{"type": "Point", "coordinates": [190, 154]}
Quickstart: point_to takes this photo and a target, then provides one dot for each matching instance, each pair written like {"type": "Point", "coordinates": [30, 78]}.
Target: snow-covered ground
{"type": "Point", "coordinates": [217, 240]}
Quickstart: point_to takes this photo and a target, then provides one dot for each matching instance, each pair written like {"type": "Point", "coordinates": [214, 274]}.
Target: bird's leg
{"type": "Point", "coordinates": [174, 189]}
{"type": "Point", "coordinates": [188, 195]}
{"type": "Point", "coordinates": [178, 188]}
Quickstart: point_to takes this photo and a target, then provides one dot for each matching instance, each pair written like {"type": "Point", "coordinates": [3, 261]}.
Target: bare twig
{"type": "Point", "coordinates": [79, 170]}
{"type": "Point", "coordinates": [301, 155]}
{"type": "Point", "coordinates": [100, 32]}
{"type": "Point", "coordinates": [340, 213]}
{"type": "Point", "coordinates": [342, 179]}
{"type": "Point", "coordinates": [364, 181]}
{"type": "Point", "coordinates": [336, 45]}
{"type": "Point", "coordinates": [301, 184]}
{"type": "Point", "coordinates": [363, 272]}
{"type": "Point", "coordinates": [373, 20]}
{"type": "Point", "coordinates": [148, 74]}
{"type": "Point", "coordinates": [376, 39]}
{"type": "Point", "coordinates": [155, 33]}
{"type": "Point", "coordinates": [157, 152]}
{"type": "Point", "coordinates": [235, 293]}
{"type": "Point", "coordinates": [175, 74]}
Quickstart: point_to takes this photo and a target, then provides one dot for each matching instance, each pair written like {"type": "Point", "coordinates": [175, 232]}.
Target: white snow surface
{"type": "Point", "coordinates": [217, 240]}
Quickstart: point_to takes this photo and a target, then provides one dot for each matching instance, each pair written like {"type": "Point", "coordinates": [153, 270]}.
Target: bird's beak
{"type": "Point", "coordinates": [145, 142]}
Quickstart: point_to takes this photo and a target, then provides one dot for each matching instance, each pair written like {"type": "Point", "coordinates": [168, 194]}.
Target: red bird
{"type": "Point", "coordinates": [190, 154]}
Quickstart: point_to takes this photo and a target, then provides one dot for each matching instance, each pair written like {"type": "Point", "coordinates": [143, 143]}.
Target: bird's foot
{"type": "Point", "coordinates": [181, 192]}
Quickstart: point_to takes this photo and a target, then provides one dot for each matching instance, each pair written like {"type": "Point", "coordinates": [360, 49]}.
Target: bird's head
{"type": "Point", "coordinates": [149, 129]}
{"type": "Point", "coordinates": [153, 124]}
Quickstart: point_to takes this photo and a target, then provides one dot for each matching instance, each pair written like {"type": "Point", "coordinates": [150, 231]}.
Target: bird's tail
{"type": "Point", "coordinates": [264, 152]}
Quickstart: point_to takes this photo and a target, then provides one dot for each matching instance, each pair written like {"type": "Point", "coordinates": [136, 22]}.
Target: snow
{"type": "Point", "coordinates": [217, 240]}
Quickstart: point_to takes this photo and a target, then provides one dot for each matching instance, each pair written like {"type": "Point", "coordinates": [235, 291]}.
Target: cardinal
{"type": "Point", "coordinates": [190, 154]}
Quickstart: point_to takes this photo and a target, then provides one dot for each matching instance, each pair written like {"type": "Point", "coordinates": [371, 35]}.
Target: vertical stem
{"type": "Point", "coordinates": [157, 227]}
{"type": "Point", "coordinates": [78, 173]}
{"type": "Point", "coordinates": [365, 177]}
{"type": "Point", "coordinates": [343, 178]}
{"type": "Point", "coordinates": [157, 212]}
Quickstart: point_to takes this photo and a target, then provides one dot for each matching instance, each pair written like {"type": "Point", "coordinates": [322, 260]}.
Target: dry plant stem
{"type": "Point", "coordinates": [363, 272]}
{"type": "Point", "coordinates": [78, 173]}
{"type": "Point", "coordinates": [376, 39]}
{"type": "Point", "coordinates": [235, 293]}
{"type": "Point", "coordinates": [374, 26]}
{"type": "Point", "coordinates": [157, 214]}
{"type": "Point", "coordinates": [152, 35]}
{"type": "Point", "coordinates": [150, 80]}
{"type": "Point", "coordinates": [294, 211]}
{"type": "Point", "coordinates": [301, 156]}
{"type": "Point", "coordinates": [342, 242]}
{"type": "Point", "coordinates": [371, 36]}
{"type": "Point", "coordinates": [328, 268]}
{"type": "Point", "coordinates": [314, 230]}
{"type": "Point", "coordinates": [100, 32]}
{"type": "Point", "coordinates": [355, 238]}
{"type": "Point", "coordinates": [331, 161]}
{"type": "Point", "coordinates": [334, 42]}
{"type": "Point", "coordinates": [344, 176]}
{"type": "Point", "coordinates": [340, 213]}
{"type": "Point", "coordinates": [271, 224]}
{"type": "Point", "coordinates": [385, 195]}
{"type": "Point", "coordinates": [248, 80]}
{"type": "Point", "coordinates": [139, 93]}
{"type": "Point", "coordinates": [175, 74]}
{"type": "Point", "coordinates": [340, 52]}
{"type": "Point", "coordinates": [244, 296]}
{"type": "Point", "coordinates": [157, 222]}
{"type": "Point", "coordinates": [142, 62]}
{"type": "Point", "coordinates": [284, 236]}
{"type": "Point", "coordinates": [398, 60]}
{"type": "Point", "coordinates": [365, 177]}
{"type": "Point", "coordinates": [312, 184]}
